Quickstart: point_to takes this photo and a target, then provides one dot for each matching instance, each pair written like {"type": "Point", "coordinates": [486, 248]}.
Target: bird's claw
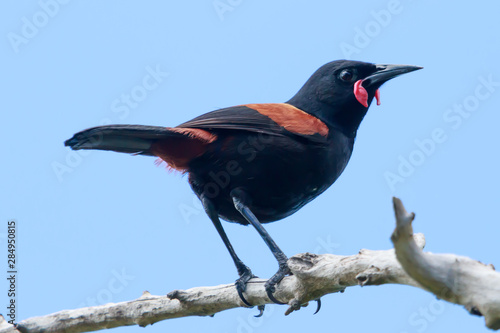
{"type": "Point", "coordinates": [275, 279]}
{"type": "Point", "coordinates": [241, 284]}
{"type": "Point", "coordinates": [261, 309]}
{"type": "Point", "coordinates": [243, 299]}
{"type": "Point", "coordinates": [318, 305]}
{"type": "Point", "coordinates": [271, 296]}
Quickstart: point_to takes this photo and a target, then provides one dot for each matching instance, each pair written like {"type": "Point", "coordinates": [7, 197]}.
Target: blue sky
{"type": "Point", "coordinates": [98, 227]}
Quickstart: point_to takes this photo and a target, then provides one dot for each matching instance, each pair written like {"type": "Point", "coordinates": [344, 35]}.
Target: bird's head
{"type": "Point", "coordinates": [341, 91]}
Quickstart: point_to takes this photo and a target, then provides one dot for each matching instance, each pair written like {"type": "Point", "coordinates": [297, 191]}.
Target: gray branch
{"type": "Point", "coordinates": [456, 279]}
{"type": "Point", "coordinates": [453, 278]}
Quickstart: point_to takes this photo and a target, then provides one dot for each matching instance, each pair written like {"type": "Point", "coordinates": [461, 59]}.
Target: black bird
{"type": "Point", "coordinates": [259, 163]}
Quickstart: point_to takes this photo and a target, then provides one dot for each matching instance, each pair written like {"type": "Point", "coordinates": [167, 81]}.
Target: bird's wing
{"type": "Point", "coordinates": [271, 119]}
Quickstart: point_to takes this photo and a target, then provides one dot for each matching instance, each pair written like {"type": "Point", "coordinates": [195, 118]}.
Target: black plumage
{"type": "Point", "coordinates": [259, 163]}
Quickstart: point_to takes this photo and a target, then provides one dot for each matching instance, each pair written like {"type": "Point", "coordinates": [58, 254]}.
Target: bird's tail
{"type": "Point", "coordinates": [174, 145]}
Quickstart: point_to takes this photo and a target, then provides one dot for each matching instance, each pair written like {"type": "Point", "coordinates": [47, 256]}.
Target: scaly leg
{"type": "Point", "coordinates": [240, 199]}
{"type": "Point", "coordinates": [243, 271]}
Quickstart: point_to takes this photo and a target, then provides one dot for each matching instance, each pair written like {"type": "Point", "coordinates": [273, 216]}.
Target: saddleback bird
{"type": "Point", "coordinates": [259, 163]}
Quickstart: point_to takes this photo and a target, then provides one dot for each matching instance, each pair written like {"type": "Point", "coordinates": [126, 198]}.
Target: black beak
{"type": "Point", "coordinates": [386, 72]}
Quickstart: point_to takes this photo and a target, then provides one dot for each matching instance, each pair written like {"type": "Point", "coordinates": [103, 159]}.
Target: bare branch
{"type": "Point", "coordinates": [313, 276]}
{"type": "Point", "coordinates": [456, 279]}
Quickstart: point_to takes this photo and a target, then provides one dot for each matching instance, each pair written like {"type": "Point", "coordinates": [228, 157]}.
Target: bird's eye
{"type": "Point", "coordinates": [347, 75]}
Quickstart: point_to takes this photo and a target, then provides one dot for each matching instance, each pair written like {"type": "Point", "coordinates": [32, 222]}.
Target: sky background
{"type": "Point", "coordinates": [99, 227]}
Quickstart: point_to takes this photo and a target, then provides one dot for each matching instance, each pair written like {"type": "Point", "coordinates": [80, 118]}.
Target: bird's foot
{"type": "Point", "coordinates": [241, 283]}
{"type": "Point", "coordinates": [275, 279]}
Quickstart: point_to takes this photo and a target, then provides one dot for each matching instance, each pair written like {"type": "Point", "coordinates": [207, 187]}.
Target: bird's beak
{"type": "Point", "coordinates": [386, 72]}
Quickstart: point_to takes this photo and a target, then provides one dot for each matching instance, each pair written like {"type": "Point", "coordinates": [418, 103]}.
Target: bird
{"type": "Point", "coordinates": [259, 163]}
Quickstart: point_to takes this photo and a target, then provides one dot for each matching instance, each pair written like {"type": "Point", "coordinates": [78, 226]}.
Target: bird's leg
{"type": "Point", "coordinates": [243, 271]}
{"type": "Point", "coordinates": [239, 199]}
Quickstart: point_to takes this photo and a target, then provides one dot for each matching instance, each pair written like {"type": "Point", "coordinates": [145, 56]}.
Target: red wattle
{"type": "Point", "coordinates": [361, 93]}
{"type": "Point", "coordinates": [377, 96]}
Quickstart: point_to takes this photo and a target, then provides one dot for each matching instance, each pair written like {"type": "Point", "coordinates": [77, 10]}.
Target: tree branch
{"type": "Point", "coordinates": [313, 276]}
{"type": "Point", "coordinates": [456, 279]}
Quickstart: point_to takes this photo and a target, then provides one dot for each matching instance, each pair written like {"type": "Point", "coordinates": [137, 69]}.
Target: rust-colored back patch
{"type": "Point", "coordinates": [178, 151]}
{"type": "Point", "coordinates": [291, 118]}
